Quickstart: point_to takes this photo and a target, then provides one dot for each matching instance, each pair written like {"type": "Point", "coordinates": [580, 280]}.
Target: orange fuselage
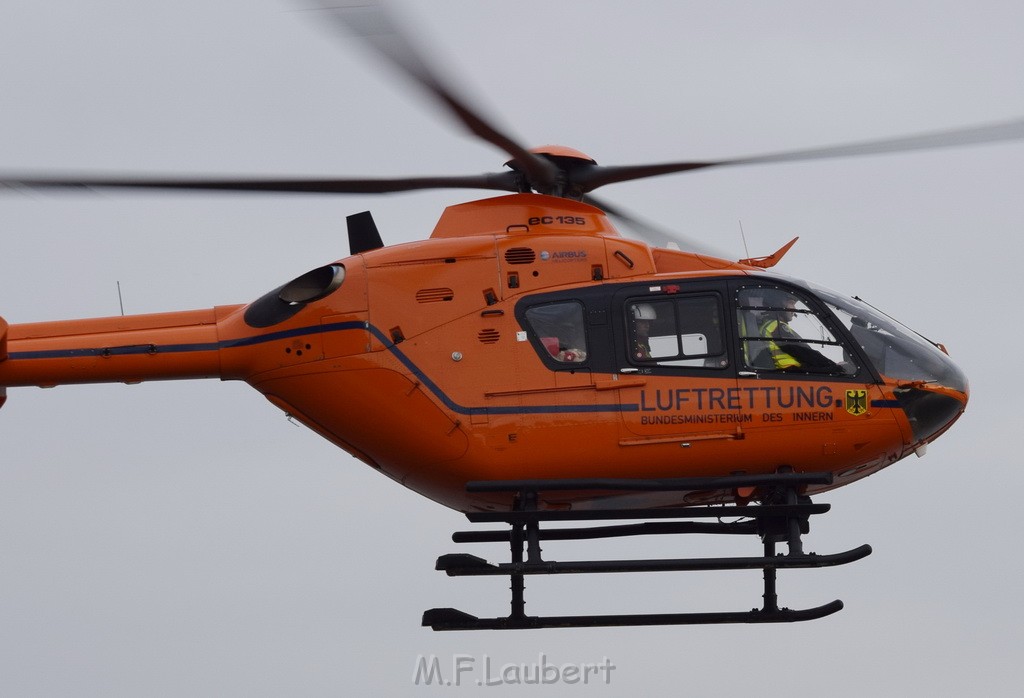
{"type": "Point", "coordinates": [420, 365]}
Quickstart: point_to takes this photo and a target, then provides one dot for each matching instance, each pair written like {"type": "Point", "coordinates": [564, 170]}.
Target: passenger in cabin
{"type": "Point", "coordinates": [559, 326]}
{"type": "Point", "coordinates": [643, 316]}
{"type": "Point", "coordinates": [572, 355]}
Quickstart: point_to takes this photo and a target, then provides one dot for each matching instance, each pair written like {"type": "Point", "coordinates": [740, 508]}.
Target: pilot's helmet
{"type": "Point", "coordinates": [644, 311]}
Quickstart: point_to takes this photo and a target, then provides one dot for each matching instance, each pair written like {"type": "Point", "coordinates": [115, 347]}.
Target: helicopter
{"type": "Point", "coordinates": [542, 367]}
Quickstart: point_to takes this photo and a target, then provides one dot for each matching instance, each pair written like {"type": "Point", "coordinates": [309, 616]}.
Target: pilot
{"type": "Point", "coordinates": [789, 350]}
{"type": "Point", "coordinates": [643, 316]}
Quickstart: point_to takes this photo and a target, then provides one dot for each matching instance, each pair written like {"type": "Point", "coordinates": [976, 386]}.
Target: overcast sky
{"type": "Point", "coordinates": [185, 539]}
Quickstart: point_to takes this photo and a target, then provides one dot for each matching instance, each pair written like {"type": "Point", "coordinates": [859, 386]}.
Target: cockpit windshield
{"type": "Point", "coordinates": [896, 351]}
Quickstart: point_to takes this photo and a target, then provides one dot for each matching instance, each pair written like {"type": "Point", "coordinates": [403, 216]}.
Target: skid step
{"type": "Point", "coordinates": [454, 619]}
{"type": "Point", "coordinates": [465, 565]}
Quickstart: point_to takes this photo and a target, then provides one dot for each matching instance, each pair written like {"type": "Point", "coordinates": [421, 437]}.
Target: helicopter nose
{"type": "Point", "coordinates": [931, 409]}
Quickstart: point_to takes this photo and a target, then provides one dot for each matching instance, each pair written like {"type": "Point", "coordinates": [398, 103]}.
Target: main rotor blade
{"type": "Point", "coordinates": [503, 181]}
{"type": "Point", "coordinates": [370, 22]}
{"type": "Point", "coordinates": [654, 235]}
{"type": "Point", "coordinates": [588, 180]}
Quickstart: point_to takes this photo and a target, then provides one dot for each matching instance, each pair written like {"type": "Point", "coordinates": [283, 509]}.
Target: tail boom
{"type": "Point", "coordinates": [161, 346]}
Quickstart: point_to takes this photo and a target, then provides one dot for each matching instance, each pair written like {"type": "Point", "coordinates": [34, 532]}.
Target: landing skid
{"type": "Point", "coordinates": [781, 517]}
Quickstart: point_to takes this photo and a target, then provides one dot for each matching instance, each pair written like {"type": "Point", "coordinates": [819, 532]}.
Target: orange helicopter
{"type": "Point", "coordinates": [543, 368]}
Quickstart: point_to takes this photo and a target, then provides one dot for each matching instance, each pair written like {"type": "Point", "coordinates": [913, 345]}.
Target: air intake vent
{"type": "Point", "coordinates": [434, 295]}
{"type": "Point", "coordinates": [489, 336]}
{"type": "Point", "coordinates": [520, 255]}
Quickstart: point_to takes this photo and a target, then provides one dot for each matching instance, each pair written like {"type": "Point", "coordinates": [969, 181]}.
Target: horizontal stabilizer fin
{"type": "Point", "coordinates": [772, 259]}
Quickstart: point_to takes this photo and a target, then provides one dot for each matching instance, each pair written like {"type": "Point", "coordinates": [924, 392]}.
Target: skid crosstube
{"type": "Point", "coordinates": [781, 517]}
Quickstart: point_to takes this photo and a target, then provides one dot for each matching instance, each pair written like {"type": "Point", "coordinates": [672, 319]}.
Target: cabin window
{"type": "Point", "coordinates": [560, 330]}
{"type": "Point", "coordinates": [779, 331]}
{"type": "Point", "coordinates": [681, 331]}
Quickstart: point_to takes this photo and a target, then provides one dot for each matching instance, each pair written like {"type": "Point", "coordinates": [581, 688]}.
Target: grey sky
{"type": "Point", "coordinates": [186, 539]}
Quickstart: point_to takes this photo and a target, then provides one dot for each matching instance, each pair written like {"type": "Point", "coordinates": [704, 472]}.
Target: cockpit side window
{"type": "Point", "coordinates": [780, 331]}
{"type": "Point", "coordinates": [559, 328]}
{"type": "Point", "coordinates": [681, 331]}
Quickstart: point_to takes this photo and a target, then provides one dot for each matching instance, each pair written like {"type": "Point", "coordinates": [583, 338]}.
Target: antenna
{"type": "Point", "coordinates": [119, 299]}
{"type": "Point", "coordinates": [744, 238]}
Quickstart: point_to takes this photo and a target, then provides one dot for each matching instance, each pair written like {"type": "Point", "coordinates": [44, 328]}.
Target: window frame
{"type": "Point", "coordinates": [537, 339]}
{"type": "Point", "coordinates": [676, 296]}
{"type": "Point", "coordinates": [816, 309]}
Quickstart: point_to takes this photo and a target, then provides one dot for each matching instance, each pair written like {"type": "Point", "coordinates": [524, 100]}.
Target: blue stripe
{"type": "Point", "coordinates": [460, 409]}
{"type": "Point", "coordinates": [147, 349]}
{"type": "Point", "coordinates": [134, 349]}
{"type": "Point", "coordinates": [137, 349]}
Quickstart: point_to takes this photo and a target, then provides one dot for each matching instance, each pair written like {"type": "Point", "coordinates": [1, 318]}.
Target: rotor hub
{"type": "Point", "coordinates": [568, 161]}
